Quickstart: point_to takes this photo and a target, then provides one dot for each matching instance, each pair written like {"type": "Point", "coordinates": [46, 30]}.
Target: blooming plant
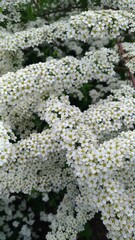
{"type": "Point", "coordinates": [67, 118]}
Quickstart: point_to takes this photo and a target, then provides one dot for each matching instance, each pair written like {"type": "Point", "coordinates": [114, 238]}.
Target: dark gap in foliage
{"type": "Point", "coordinates": [94, 229]}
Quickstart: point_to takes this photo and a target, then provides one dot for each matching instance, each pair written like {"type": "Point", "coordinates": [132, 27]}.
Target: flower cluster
{"type": "Point", "coordinates": [95, 24]}
{"type": "Point", "coordinates": [6, 148]}
{"type": "Point", "coordinates": [47, 144]}
{"type": "Point", "coordinates": [4, 4]}
{"type": "Point", "coordinates": [97, 162]}
{"type": "Point", "coordinates": [55, 76]}
{"type": "Point", "coordinates": [123, 4]}
{"type": "Point", "coordinates": [10, 61]}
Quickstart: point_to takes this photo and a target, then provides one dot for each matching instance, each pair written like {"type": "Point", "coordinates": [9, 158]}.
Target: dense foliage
{"type": "Point", "coordinates": [67, 119]}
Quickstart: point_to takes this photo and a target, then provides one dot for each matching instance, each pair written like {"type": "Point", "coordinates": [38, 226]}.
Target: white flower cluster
{"type": "Point", "coordinates": [96, 162]}
{"type": "Point", "coordinates": [10, 61]}
{"type": "Point", "coordinates": [88, 155]}
{"type": "Point", "coordinates": [6, 148]}
{"type": "Point", "coordinates": [123, 4]}
{"type": "Point", "coordinates": [100, 24]}
{"type": "Point", "coordinates": [100, 90]}
{"type": "Point", "coordinates": [55, 76]}
{"type": "Point", "coordinates": [4, 4]}
{"type": "Point", "coordinates": [111, 116]}
{"type": "Point", "coordinates": [90, 24]}
{"type": "Point", "coordinates": [10, 10]}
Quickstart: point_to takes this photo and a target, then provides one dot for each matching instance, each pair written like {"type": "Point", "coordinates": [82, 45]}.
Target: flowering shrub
{"type": "Point", "coordinates": [67, 117]}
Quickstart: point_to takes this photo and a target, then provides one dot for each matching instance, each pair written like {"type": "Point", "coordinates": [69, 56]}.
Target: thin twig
{"type": "Point", "coordinates": [121, 52]}
{"type": "Point", "coordinates": [36, 4]}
